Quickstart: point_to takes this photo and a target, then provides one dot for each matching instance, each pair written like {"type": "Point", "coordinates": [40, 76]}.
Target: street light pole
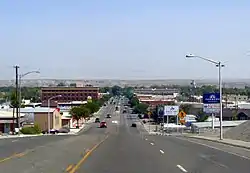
{"type": "Point", "coordinates": [49, 110]}
{"type": "Point", "coordinates": [220, 90]}
{"type": "Point", "coordinates": [219, 65]}
{"type": "Point", "coordinates": [20, 91]}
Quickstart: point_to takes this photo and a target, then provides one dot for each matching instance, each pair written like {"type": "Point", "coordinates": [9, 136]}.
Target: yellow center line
{"type": "Point", "coordinates": [16, 155]}
{"type": "Point", "coordinates": [69, 168]}
{"type": "Point", "coordinates": [77, 166]}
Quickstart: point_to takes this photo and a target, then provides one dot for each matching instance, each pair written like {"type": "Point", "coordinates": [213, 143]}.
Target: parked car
{"type": "Point", "coordinates": [103, 124]}
{"type": "Point", "coordinates": [63, 130]}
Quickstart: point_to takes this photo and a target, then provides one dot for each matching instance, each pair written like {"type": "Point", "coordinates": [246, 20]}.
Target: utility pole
{"type": "Point", "coordinates": [17, 100]}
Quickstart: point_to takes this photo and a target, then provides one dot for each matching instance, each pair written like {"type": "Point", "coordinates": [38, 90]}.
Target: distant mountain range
{"type": "Point", "coordinates": [238, 83]}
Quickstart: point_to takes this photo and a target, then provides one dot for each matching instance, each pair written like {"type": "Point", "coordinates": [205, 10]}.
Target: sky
{"type": "Point", "coordinates": [124, 39]}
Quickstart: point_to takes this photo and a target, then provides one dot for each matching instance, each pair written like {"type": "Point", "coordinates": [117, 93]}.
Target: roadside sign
{"type": "Point", "coordinates": [211, 108]}
{"type": "Point", "coordinates": [171, 110]}
{"type": "Point", "coordinates": [211, 98]}
{"type": "Point", "coordinates": [182, 114]}
{"type": "Point", "coordinates": [182, 121]}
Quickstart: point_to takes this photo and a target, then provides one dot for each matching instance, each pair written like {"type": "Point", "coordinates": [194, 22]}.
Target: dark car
{"type": "Point", "coordinates": [97, 120]}
{"type": "Point", "coordinates": [108, 116]}
{"type": "Point", "coordinates": [103, 125]}
{"type": "Point", "coordinates": [133, 125]}
{"type": "Point", "coordinates": [124, 111]}
{"type": "Point", "coordinates": [63, 130]}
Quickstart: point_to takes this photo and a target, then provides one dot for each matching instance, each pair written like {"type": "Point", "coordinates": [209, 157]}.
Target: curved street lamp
{"type": "Point", "coordinates": [20, 91]}
{"type": "Point", "coordinates": [219, 65]}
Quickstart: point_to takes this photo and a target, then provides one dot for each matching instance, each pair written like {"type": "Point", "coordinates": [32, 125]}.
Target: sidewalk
{"type": "Point", "coordinates": [155, 130]}
{"type": "Point", "coordinates": [18, 136]}
{"type": "Point", "coordinates": [236, 143]}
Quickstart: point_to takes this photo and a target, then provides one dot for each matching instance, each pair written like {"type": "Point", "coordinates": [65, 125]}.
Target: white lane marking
{"type": "Point", "coordinates": [162, 152]}
{"type": "Point", "coordinates": [14, 140]}
{"type": "Point", "coordinates": [181, 168]}
{"type": "Point", "coordinates": [245, 157]}
{"type": "Point", "coordinates": [152, 143]}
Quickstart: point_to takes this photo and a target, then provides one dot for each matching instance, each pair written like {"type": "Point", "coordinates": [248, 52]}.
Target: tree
{"type": "Point", "coordinates": [61, 84]}
{"type": "Point", "coordinates": [85, 112]}
{"type": "Point", "coordinates": [141, 108]}
{"type": "Point", "coordinates": [185, 107]}
{"type": "Point", "coordinates": [72, 85]}
{"type": "Point", "coordinates": [134, 101]}
{"type": "Point", "coordinates": [128, 92]}
{"type": "Point", "coordinates": [79, 112]}
{"type": "Point", "coordinates": [14, 100]}
{"type": "Point", "coordinates": [116, 90]}
{"type": "Point", "coordinates": [201, 117]}
{"type": "Point", "coordinates": [92, 106]}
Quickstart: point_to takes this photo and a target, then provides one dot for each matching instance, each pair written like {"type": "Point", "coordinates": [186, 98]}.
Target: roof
{"type": "Point", "coordinates": [73, 102]}
{"type": "Point", "coordinates": [9, 114]}
{"type": "Point", "coordinates": [33, 110]}
{"type": "Point", "coordinates": [69, 88]}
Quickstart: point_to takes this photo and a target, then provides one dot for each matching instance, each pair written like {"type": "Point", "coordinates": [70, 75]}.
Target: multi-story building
{"type": "Point", "coordinates": [69, 94]}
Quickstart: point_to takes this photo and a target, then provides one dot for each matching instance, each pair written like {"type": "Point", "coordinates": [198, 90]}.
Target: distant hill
{"type": "Point", "coordinates": [238, 83]}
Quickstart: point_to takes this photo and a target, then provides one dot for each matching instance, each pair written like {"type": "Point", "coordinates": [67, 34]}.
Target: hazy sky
{"type": "Point", "coordinates": [124, 39]}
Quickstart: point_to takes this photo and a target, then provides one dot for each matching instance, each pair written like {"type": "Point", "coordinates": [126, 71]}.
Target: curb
{"type": "Point", "coordinates": [219, 141]}
{"type": "Point", "coordinates": [23, 136]}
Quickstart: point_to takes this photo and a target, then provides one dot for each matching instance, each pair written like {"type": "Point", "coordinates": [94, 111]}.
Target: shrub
{"type": "Point", "coordinates": [31, 130]}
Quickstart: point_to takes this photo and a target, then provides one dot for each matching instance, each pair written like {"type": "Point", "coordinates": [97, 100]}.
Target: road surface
{"type": "Point", "coordinates": [121, 148]}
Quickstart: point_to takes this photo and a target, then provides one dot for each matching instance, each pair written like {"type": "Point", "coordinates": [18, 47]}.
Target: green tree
{"type": "Point", "coordinates": [104, 89]}
{"type": "Point", "coordinates": [201, 117]}
{"type": "Point", "coordinates": [85, 112]}
{"type": "Point", "coordinates": [134, 101]}
{"type": "Point", "coordinates": [92, 106]}
{"type": "Point", "coordinates": [61, 84]}
{"type": "Point", "coordinates": [116, 90]}
{"type": "Point", "coordinates": [77, 113]}
{"type": "Point", "coordinates": [14, 100]}
{"type": "Point", "coordinates": [185, 107]}
{"type": "Point", "coordinates": [141, 108]}
{"type": "Point", "coordinates": [72, 85]}
{"type": "Point", "coordinates": [128, 92]}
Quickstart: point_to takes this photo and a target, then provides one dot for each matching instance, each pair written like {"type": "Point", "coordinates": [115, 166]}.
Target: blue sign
{"type": "Point", "coordinates": [211, 98]}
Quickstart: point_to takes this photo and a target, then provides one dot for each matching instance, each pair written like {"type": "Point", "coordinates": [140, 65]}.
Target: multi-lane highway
{"type": "Point", "coordinates": [121, 148]}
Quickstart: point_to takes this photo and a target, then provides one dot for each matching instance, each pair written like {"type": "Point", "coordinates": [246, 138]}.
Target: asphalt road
{"type": "Point", "coordinates": [11, 146]}
{"type": "Point", "coordinates": [121, 148]}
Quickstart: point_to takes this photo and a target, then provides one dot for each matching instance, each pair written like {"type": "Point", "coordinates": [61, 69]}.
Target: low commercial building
{"type": "Point", "coordinates": [39, 116]}
{"type": "Point", "coordinates": [158, 91]}
{"type": "Point", "coordinates": [8, 121]}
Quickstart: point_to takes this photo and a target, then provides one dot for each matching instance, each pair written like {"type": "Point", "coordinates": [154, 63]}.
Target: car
{"type": "Point", "coordinates": [103, 124]}
{"type": "Point", "coordinates": [63, 130]}
{"type": "Point", "coordinates": [108, 116]}
{"type": "Point", "coordinates": [133, 125]}
{"type": "Point", "coordinates": [124, 111]}
{"type": "Point", "coordinates": [97, 120]}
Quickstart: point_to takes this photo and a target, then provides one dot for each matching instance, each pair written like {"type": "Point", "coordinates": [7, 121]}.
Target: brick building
{"type": "Point", "coordinates": [69, 94]}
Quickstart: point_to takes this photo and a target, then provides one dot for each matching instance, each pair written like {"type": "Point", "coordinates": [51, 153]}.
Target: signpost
{"type": "Point", "coordinates": [211, 104]}
{"type": "Point", "coordinates": [182, 116]}
{"type": "Point", "coordinates": [171, 110]}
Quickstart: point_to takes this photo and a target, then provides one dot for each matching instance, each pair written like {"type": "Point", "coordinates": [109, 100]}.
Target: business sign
{"type": "Point", "coordinates": [171, 110]}
{"type": "Point", "coordinates": [211, 98]}
{"type": "Point", "coordinates": [211, 108]}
